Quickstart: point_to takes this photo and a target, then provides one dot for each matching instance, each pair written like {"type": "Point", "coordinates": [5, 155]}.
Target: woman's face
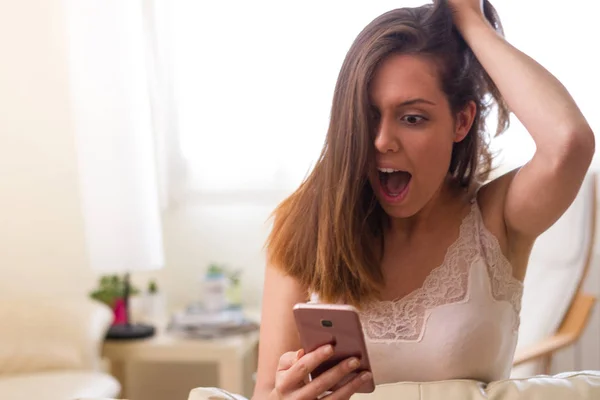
{"type": "Point", "coordinates": [414, 132]}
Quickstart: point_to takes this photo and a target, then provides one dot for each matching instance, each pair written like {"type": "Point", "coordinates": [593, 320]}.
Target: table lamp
{"type": "Point", "coordinates": [114, 131]}
{"type": "Point", "coordinates": [121, 211]}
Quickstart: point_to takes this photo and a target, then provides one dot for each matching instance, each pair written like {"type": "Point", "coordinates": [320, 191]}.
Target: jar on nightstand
{"type": "Point", "coordinates": [214, 287]}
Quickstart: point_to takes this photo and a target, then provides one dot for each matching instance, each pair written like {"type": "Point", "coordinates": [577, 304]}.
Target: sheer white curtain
{"type": "Point", "coordinates": [252, 81]}
{"type": "Point", "coordinates": [112, 122]}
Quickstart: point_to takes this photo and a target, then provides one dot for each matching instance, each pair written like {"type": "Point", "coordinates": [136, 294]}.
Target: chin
{"type": "Point", "coordinates": [399, 211]}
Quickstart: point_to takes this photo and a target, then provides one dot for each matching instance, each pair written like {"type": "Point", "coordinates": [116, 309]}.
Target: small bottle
{"type": "Point", "coordinates": [234, 291]}
{"type": "Point", "coordinates": [215, 290]}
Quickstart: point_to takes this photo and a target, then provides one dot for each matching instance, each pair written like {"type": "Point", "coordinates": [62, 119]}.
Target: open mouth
{"type": "Point", "coordinates": [393, 181]}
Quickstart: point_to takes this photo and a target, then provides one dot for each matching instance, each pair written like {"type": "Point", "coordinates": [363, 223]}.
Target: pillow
{"type": "Point", "coordinates": [40, 334]}
{"type": "Point", "coordinates": [583, 385]}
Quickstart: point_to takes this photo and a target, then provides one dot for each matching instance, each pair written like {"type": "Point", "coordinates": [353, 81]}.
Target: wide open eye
{"type": "Point", "coordinates": [413, 119]}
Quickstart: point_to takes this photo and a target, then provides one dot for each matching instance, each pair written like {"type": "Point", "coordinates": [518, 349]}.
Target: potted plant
{"type": "Point", "coordinates": [111, 291]}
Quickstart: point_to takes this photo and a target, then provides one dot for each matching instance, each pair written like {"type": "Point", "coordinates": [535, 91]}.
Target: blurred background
{"type": "Point", "coordinates": [156, 136]}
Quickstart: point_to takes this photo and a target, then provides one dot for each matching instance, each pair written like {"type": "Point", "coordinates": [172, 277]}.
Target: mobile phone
{"type": "Point", "coordinates": [338, 325]}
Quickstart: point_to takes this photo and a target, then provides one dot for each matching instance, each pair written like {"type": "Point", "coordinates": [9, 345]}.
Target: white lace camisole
{"type": "Point", "coordinates": [462, 323]}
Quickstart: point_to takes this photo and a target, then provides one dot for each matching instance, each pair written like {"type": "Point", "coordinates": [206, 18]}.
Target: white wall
{"type": "Point", "coordinates": [41, 242]}
{"type": "Point", "coordinates": [42, 248]}
{"type": "Point", "coordinates": [200, 234]}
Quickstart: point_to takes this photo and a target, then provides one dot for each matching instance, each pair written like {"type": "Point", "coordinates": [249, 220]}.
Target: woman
{"type": "Point", "coordinates": [396, 218]}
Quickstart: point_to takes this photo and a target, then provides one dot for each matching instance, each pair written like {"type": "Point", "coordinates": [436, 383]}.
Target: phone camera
{"type": "Point", "coordinates": [326, 323]}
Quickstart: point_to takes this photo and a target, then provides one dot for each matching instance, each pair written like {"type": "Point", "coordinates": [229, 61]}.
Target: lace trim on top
{"type": "Point", "coordinates": [404, 319]}
{"type": "Point", "coordinates": [505, 287]}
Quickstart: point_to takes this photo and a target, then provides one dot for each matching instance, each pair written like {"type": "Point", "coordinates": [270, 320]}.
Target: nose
{"type": "Point", "coordinates": [385, 140]}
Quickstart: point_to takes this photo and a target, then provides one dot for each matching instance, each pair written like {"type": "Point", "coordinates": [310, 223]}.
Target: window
{"type": "Point", "coordinates": [253, 80]}
{"type": "Point", "coordinates": [254, 83]}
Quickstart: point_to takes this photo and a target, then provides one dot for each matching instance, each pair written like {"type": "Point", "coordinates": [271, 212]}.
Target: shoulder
{"type": "Point", "coordinates": [491, 198]}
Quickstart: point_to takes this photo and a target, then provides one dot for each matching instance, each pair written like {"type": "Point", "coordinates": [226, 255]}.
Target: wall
{"type": "Point", "coordinates": [203, 233]}
{"type": "Point", "coordinates": [41, 242]}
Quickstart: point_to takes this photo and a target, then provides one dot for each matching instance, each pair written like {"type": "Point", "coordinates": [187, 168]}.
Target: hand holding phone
{"type": "Point", "coordinates": [339, 326]}
{"type": "Point", "coordinates": [294, 367]}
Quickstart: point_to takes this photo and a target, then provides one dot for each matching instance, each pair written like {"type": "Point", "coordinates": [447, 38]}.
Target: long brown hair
{"type": "Point", "coordinates": [328, 234]}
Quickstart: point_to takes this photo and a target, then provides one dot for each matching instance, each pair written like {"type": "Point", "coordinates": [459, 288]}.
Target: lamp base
{"type": "Point", "coordinates": [130, 331]}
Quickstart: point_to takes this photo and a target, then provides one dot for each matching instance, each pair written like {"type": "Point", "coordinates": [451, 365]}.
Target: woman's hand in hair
{"type": "Point", "coordinates": [292, 382]}
{"type": "Point", "coordinates": [466, 5]}
{"type": "Point", "coordinates": [463, 10]}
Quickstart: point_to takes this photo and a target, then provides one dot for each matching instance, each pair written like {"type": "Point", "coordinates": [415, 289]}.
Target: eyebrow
{"type": "Point", "coordinates": [415, 101]}
{"type": "Point", "coordinates": [410, 102]}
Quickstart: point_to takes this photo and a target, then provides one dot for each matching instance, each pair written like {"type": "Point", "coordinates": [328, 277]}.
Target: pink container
{"type": "Point", "coordinates": [119, 312]}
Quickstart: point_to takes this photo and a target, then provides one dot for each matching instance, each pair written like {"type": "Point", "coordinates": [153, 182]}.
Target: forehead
{"type": "Point", "coordinates": [401, 77]}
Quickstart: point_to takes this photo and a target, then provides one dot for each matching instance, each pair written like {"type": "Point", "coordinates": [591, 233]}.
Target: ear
{"type": "Point", "coordinates": [464, 121]}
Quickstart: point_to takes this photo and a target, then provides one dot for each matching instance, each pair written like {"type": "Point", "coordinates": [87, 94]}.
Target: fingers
{"type": "Point", "coordinates": [288, 359]}
{"type": "Point", "coordinates": [299, 354]}
{"type": "Point", "coordinates": [307, 363]}
{"type": "Point", "coordinates": [329, 379]}
{"type": "Point", "coordinates": [350, 388]}
{"type": "Point", "coordinates": [304, 365]}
